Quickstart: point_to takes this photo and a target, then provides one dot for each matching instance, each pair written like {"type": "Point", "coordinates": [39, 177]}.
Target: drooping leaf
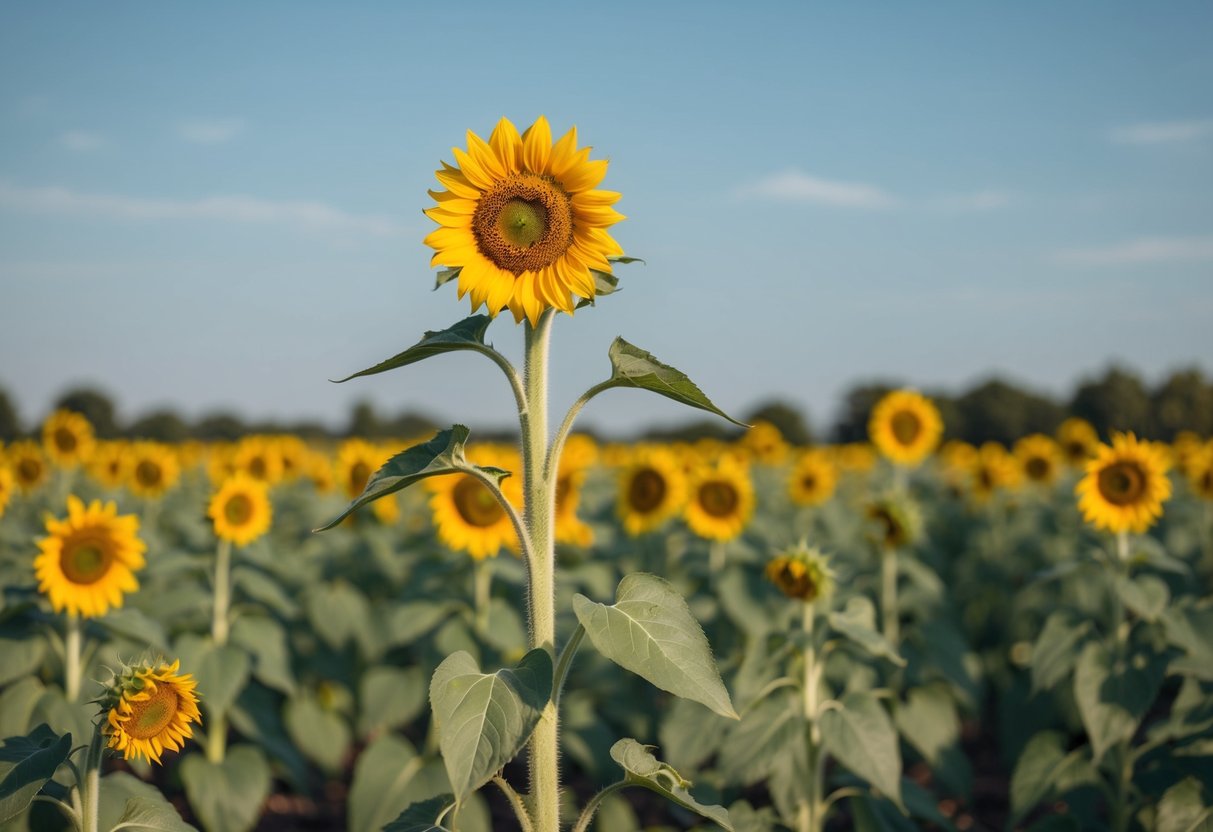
{"type": "Point", "coordinates": [26, 763]}
{"type": "Point", "coordinates": [227, 795]}
{"type": "Point", "coordinates": [643, 769]}
{"type": "Point", "coordinates": [265, 639]}
{"type": "Point", "coordinates": [857, 623]}
{"type": "Point", "coordinates": [1182, 809]}
{"type": "Point", "coordinates": [1145, 595]}
{"type": "Point", "coordinates": [651, 632]}
{"type": "Point", "coordinates": [380, 789]}
{"type": "Point", "coordinates": [1056, 650]}
{"type": "Point", "coordinates": [321, 733]}
{"type": "Point", "coordinates": [423, 816]}
{"type": "Point", "coordinates": [149, 815]}
{"type": "Point", "coordinates": [634, 367]}
{"type": "Point", "coordinates": [1112, 697]}
{"type": "Point", "coordinates": [468, 334]}
{"type": "Point", "coordinates": [928, 720]}
{"type": "Point", "coordinates": [484, 719]}
{"type": "Point", "coordinates": [860, 735]}
{"type": "Point", "coordinates": [390, 697]}
{"type": "Point", "coordinates": [446, 275]}
{"type": "Point", "coordinates": [441, 455]}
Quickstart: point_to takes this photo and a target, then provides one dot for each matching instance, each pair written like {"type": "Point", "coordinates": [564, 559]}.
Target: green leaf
{"type": "Point", "coordinates": [320, 733]}
{"type": "Point", "coordinates": [767, 734]}
{"type": "Point", "coordinates": [860, 735]}
{"type": "Point", "coordinates": [1111, 699]}
{"type": "Point", "coordinates": [380, 789]}
{"type": "Point", "coordinates": [19, 657]}
{"type": "Point", "coordinates": [265, 639]}
{"type": "Point", "coordinates": [154, 815]}
{"type": "Point", "coordinates": [1182, 809]}
{"type": "Point", "coordinates": [928, 720]}
{"type": "Point", "coordinates": [227, 795]}
{"type": "Point", "coordinates": [1032, 782]}
{"type": "Point", "coordinates": [422, 817]}
{"type": "Point", "coordinates": [446, 275]}
{"type": "Point", "coordinates": [634, 367]}
{"type": "Point", "coordinates": [651, 632]}
{"type": "Point", "coordinates": [390, 697]}
{"type": "Point", "coordinates": [135, 625]}
{"type": "Point", "coordinates": [1056, 650]}
{"type": "Point", "coordinates": [26, 763]}
{"type": "Point", "coordinates": [1191, 630]}
{"type": "Point", "coordinates": [643, 769]}
{"type": "Point", "coordinates": [1145, 595]}
{"type": "Point", "coordinates": [441, 455]}
{"type": "Point", "coordinates": [339, 613]}
{"type": "Point", "coordinates": [119, 789]}
{"type": "Point", "coordinates": [484, 719]}
{"type": "Point", "coordinates": [221, 672]}
{"type": "Point", "coordinates": [690, 733]}
{"type": "Point", "coordinates": [858, 623]}
{"type": "Point", "coordinates": [468, 334]}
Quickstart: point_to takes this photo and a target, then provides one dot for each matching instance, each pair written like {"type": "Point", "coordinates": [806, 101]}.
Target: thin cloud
{"type": "Point", "coordinates": [795, 186]}
{"type": "Point", "coordinates": [1141, 250]}
{"type": "Point", "coordinates": [80, 141]}
{"type": "Point", "coordinates": [305, 214]}
{"type": "Point", "coordinates": [987, 200]}
{"type": "Point", "coordinates": [1163, 132]}
{"type": "Point", "coordinates": [210, 131]}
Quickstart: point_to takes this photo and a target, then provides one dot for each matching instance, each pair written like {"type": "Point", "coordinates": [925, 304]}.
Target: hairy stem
{"type": "Point", "coordinates": [216, 745]}
{"type": "Point", "coordinates": [73, 668]}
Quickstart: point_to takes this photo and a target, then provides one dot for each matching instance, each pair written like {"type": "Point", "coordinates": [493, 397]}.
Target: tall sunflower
{"type": "Point", "coordinates": [29, 464]}
{"type": "Point", "coordinates": [68, 438]}
{"type": "Point", "coordinates": [720, 499]}
{"type": "Point", "coordinates": [151, 709]}
{"type": "Point", "coordinates": [241, 509]}
{"type": "Point", "coordinates": [1125, 485]}
{"type": "Point", "coordinates": [905, 426]}
{"type": "Point", "coordinates": [151, 469]}
{"type": "Point", "coordinates": [467, 516]}
{"type": "Point", "coordinates": [652, 488]}
{"type": "Point", "coordinates": [522, 220]}
{"type": "Point", "coordinates": [813, 478]}
{"type": "Point", "coordinates": [89, 560]}
{"type": "Point", "coordinates": [1039, 457]}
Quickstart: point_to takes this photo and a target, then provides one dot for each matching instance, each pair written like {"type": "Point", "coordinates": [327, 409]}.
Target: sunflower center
{"type": "Point", "coordinates": [238, 509]}
{"type": "Point", "coordinates": [718, 498]}
{"type": "Point", "coordinates": [1038, 468]}
{"type": "Point", "coordinates": [646, 491]}
{"type": "Point", "coordinates": [65, 440]}
{"type": "Point", "coordinates": [29, 470]}
{"type": "Point", "coordinates": [476, 504]}
{"type": "Point", "coordinates": [84, 561]}
{"type": "Point", "coordinates": [360, 472]}
{"type": "Point", "coordinates": [523, 223]}
{"type": "Point", "coordinates": [149, 717]}
{"type": "Point", "coordinates": [564, 487]}
{"type": "Point", "coordinates": [148, 473]}
{"type": "Point", "coordinates": [258, 467]}
{"type": "Point", "coordinates": [809, 481]}
{"type": "Point", "coordinates": [905, 426]}
{"type": "Point", "coordinates": [1122, 483]}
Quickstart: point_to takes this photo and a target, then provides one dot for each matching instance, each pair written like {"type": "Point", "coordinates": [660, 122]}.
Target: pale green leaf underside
{"type": "Point", "coordinates": [651, 632]}
{"type": "Point", "coordinates": [423, 816]}
{"type": "Point", "coordinates": [468, 334]}
{"type": "Point", "coordinates": [151, 816]}
{"type": "Point", "coordinates": [643, 769]}
{"type": "Point", "coordinates": [860, 735]}
{"type": "Point", "coordinates": [634, 367]}
{"type": "Point", "coordinates": [856, 622]}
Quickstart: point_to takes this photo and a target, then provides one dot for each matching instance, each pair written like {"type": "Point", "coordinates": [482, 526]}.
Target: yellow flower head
{"type": "Point", "coordinates": [357, 460]}
{"type": "Point", "coordinates": [108, 463]}
{"type": "Point", "coordinates": [240, 509]}
{"type": "Point", "coordinates": [905, 426]}
{"type": "Point", "coordinates": [720, 499]}
{"type": "Point", "coordinates": [89, 560]}
{"type": "Point", "coordinates": [1200, 471]}
{"type": "Point", "coordinates": [68, 438]}
{"type": "Point", "coordinates": [258, 457]}
{"type": "Point", "coordinates": [652, 488]}
{"type": "Point", "coordinates": [1125, 485]}
{"type": "Point", "coordinates": [813, 479]}
{"type": "Point", "coordinates": [6, 486]}
{"type": "Point", "coordinates": [29, 464]}
{"type": "Point", "coordinates": [993, 468]}
{"type": "Point", "coordinates": [1078, 440]}
{"type": "Point", "coordinates": [151, 709]}
{"type": "Point", "coordinates": [764, 443]}
{"type": "Point", "coordinates": [467, 516]}
{"type": "Point", "coordinates": [802, 572]}
{"type": "Point", "coordinates": [579, 454]}
{"type": "Point", "coordinates": [1039, 458]}
{"type": "Point", "coordinates": [522, 220]}
{"type": "Point", "coordinates": [151, 469]}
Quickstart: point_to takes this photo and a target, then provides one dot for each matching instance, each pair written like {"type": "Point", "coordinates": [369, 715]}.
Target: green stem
{"type": "Point", "coordinates": [888, 597]}
{"type": "Point", "coordinates": [216, 733]}
{"type": "Point", "coordinates": [71, 813]}
{"type": "Point", "coordinates": [566, 661]}
{"type": "Point", "coordinates": [518, 804]}
{"type": "Point", "coordinates": [587, 814]}
{"type": "Point", "coordinates": [811, 816]}
{"type": "Point", "coordinates": [72, 666]}
{"type": "Point", "coordinates": [716, 559]}
{"type": "Point", "coordinates": [553, 457]}
{"type": "Point", "coordinates": [482, 591]}
{"type": "Point", "coordinates": [538, 517]}
{"type": "Point", "coordinates": [90, 789]}
{"type": "Point", "coordinates": [1122, 809]}
{"type": "Point", "coordinates": [524, 537]}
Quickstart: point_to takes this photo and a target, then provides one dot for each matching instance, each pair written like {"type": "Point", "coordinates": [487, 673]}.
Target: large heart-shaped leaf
{"type": "Point", "coordinates": [651, 632]}
{"type": "Point", "coordinates": [634, 367]}
{"type": "Point", "coordinates": [643, 769]}
{"type": "Point", "coordinates": [227, 795]}
{"type": "Point", "coordinates": [468, 334]}
{"type": "Point", "coordinates": [441, 455]}
{"type": "Point", "coordinates": [1111, 697]}
{"type": "Point", "coordinates": [26, 763]}
{"type": "Point", "coordinates": [484, 719]}
{"type": "Point", "coordinates": [151, 815]}
{"type": "Point", "coordinates": [860, 735]}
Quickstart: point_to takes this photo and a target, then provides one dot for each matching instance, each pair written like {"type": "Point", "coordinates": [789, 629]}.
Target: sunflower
{"type": "Point", "coordinates": [1200, 471]}
{"type": "Point", "coordinates": [895, 521]}
{"type": "Point", "coordinates": [1078, 440]}
{"type": "Point", "coordinates": [905, 426]}
{"type": "Point", "coordinates": [801, 572]}
{"type": "Point", "coordinates": [764, 443]}
{"type": "Point", "coordinates": [151, 469]}
{"type": "Point", "coordinates": [6, 486]}
{"type": "Point", "coordinates": [813, 479]}
{"type": "Point", "coordinates": [356, 461]}
{"type": "Point", "coordinates": [1125, 485]}
{"type": "Point", "coordinates": [466, 513]}
{"type": "Point", "coordinates": [522, 221]}
{"type": "Point", "coordinates": [993, 468]}
{"type": "Point", "coordinates": [652, 488]}
{"type": "Point", "coordinates": [1039, 458]}
{"type": "Point", "coordinates": [241, 509]}
{"type": "Point", "coordinates": [151, 709]}
{"type": "Point", "coordinates": [68, 438]}
{"type": "Point", "coordinates": [89, 560]}
{"type": "Point", "coordinates": [579, 454]}
{"type": "Point", "coordinates": [293, 454]}
{"type": "Point", "coordinates": [29, 464]}
{"type": "Point", "coordinates": [856, 457]}
{"type": "Point", "coordinates": [258, 456]}
{"type": "Point", "coordinates": [107, 464]}
{"type": "Point", "coordinates": [720, 499]}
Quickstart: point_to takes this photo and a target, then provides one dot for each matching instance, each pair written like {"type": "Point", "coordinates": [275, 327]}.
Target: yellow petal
{"type": "Point", "coordinates": [537, 147]}
{"type": "Point", "coordinates": [584, 176]}
{"type": "Point", "coordinates": [484, 155]}
{"type": "Point", "coordinates": [507, 144]}
{"type": "Point", "coordinates": [472, 169]}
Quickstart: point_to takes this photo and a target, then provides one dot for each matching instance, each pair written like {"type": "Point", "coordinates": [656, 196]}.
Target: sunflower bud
{"type": "Point", "coordinates": [896, 522]}
{"type": "Point", "coordinates": [802, 572]}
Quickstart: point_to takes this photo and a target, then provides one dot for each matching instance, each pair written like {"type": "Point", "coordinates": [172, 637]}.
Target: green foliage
{"type": "Point", "coordinates": [227, 795]}
{"type": "Point", "coordinates": [634, 367]}
{"type": "Point", "coordinates": [468, 334]}
{"type": "Point", "coordinates": [859, 733]}
{"type": "Point", "coordinates": [423, 816]}
{"type": "Point", "coordinates": [26, 763]}
{"type": "Point", "coordinates": [643, 769]}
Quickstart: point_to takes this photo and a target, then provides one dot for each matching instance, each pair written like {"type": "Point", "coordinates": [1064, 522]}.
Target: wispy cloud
{"type": "Point", "coordinates": [80, 141]}
{"type": "Point", "coordinates": [306, 214]}
{"type": "Point", "coordinates": [987, 200]}
{"type": "Point", "coordinates": [210, 130]}
{"type": "Point", "coordinates": [796, 186]}
{"type": "Point", "coordinates": [1162, 132]}
{"type": "Point", "coordinates": [1197, 249]}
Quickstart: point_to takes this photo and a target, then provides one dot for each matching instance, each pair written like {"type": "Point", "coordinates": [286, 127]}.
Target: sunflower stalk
{"type": "Point", "coordinates": [216, 737]}
{"type": "Point", "coordinates": [88, 784]}
{"type": "Point", "coordinates": [73, 668]}
{"type": "Point", "coordinates": [1122, 783]}
{"type": "Point", "coordinates": [811, 816]}
{"type": "Point", "coordinates": [482, 592]}
{"type": "Point", "coordinates": [888, 597]}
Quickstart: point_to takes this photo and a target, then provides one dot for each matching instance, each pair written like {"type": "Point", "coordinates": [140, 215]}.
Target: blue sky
{"type": "Point", "coordinates": [219, 206]}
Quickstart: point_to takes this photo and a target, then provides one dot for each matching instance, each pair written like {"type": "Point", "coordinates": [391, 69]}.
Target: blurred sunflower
{"type": "Point", "coordinates": [466, 513]}
{"type": "Point", "coordinates": [241, 509]}
{"type": "Point", "coordinates": [356, 461]}
{"type": "Point", "coordinates": [855, 456]}
{"type": "Point", "coordinates": [151, 469]}
{"type": "Point", "coordinates": [895, 521]}
{"type": "Point", "coordinates": [107, 464]}
{"type": "Point", "coordinates": [1039, 458]}
{"type": "Point", "coordinates": [813, 478]}
{"type": "Point", "coordinates": [1078, 440]}
{"type": "Point", "coordinates": [651, 490]}
{"type": "Point", "coordinates": [522, 221]}
{"type": "Point", "coordinates": [580, 452]}
{"type": "Point", "coordinates": [29, 464]}
{"type": "Point", "coordinates": [258, 457]}
{"type": "Point", "coordinates": [905, 426]}
{"type": "Point", "coordinates": [764, 443]}
{"type": "Point", "coordinates": [6, 486]}
{"type": "Point", "coordinates": [1200, 471]}
{"type": "Point", "coordinates": [993, 468]}
{"type": "Point", "coordinates": [1125, 485]}
{"type": "Point", "coordinates": [68, 438]}
{"type": "Point", "coordinates": [293, 456]}
{"type": "Point", "coordinates": [801, 572]}
{"type": "Point", "coordinates": [152, 709]}
{"type": "Point", "coordinates": [720, 499]}
{"type": "Point", "coordinates": [89, 560]}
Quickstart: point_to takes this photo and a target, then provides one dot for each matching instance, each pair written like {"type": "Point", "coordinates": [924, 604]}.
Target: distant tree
{"type": "Point", "coordinates": [996, 411]}
{"type": "Point", "coordinates": [409, 424]}
{"type": "Point", "coordinates": [852, 423]}
{"type": "Point", "coordinates": [219, 427]}
{"type": "Point", "coordinates": [10, 425]}
{"type": "Point", "coordinates": [364, 421]}
{"type": "Point", "coordinates": [95, 406]}
{"type": "Point", "coordinates": [1118, 401]}
{"type": "Point", "coordinates": [954, 424]}
{"type": "Point", "coordinates": [1183, 402]}
{"type": "Point", "coordinates": [690, 432]}
{"type": "Point", "coordinates": [785, 416]}
{"type": "Point", "coordinates": [161, 426]}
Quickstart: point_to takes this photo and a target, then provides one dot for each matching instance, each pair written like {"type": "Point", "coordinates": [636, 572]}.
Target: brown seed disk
{"type": "Point", "coordinates": [522, 250]}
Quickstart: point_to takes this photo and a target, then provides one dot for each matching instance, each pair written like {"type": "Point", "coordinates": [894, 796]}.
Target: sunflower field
{"type": "Point", "coordinates": [437, 633]}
